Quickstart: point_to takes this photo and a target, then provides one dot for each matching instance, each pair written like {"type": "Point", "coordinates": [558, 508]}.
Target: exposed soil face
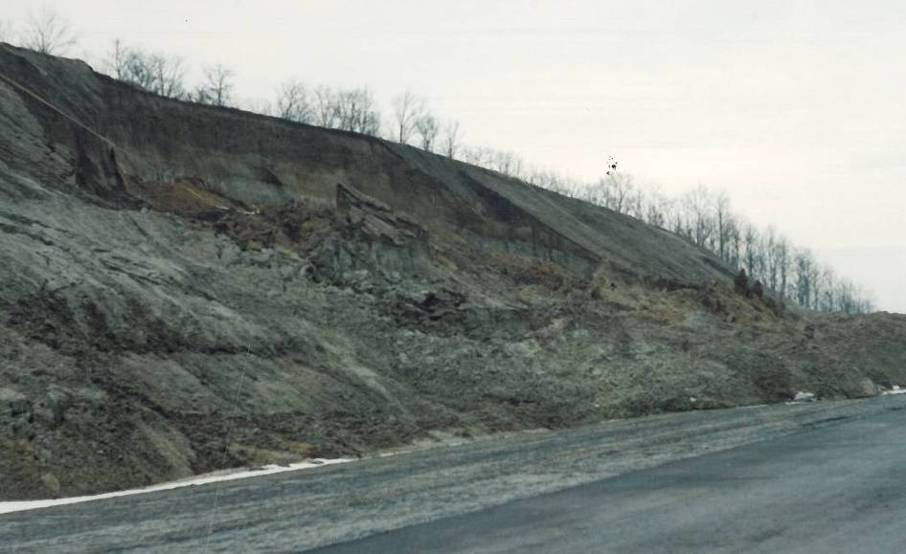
{"type": "Point", "coordinates": [212, 288]}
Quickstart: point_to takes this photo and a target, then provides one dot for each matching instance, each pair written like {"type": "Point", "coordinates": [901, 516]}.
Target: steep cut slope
{"type": "Point", "coordinates": [259, 161]}
{"type": "Point", "coordinates": [185, 288]}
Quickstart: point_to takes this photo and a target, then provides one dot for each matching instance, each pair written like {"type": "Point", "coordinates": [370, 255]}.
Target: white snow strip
{"type": "Point", "coordinates": [802, 396]}
{"type": "Point", "coordinates": [19, 506]}
{"type": "Point", "coordinates": [895, 390]}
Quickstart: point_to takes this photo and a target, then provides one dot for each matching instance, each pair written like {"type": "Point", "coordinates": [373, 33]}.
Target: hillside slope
{"type": "Point", "coordinates": [186, 288]}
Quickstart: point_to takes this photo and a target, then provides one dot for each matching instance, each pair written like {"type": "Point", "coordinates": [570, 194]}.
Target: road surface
{"type": "Point", "coordinates": [840, 488]}
{"type": "Point", "coordinates": [823, 477]}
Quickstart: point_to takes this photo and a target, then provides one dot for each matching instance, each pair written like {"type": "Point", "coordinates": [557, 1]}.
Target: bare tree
{"type": "Point", "coordinates": [116, 62]}
{"type": "Point", "coordinates": [782, 261]}
{"type": "Point", "coordinates": [451, 139]}
{"type": "Point", "coordinates": [635, 203]}
{"type": "Point", "coordinates": [505, 162]}
{"type": "Point", "coordinates": [832, 297]}
{"type": "Point", "coordinates": [669, 213]}
{"type": "Point", "coordinates": [723, 219]}
{"type": "Point", "coordinates": [479, 155]}
{"type": "Point", "coordinates": [697, 205]}
{"type": "Point", "coordinates": [776, 261]}
{"type": "Point", "coordinates": [802, 261]}
{"type": "Point", "coordinates": [853, 299]}
{"type": "Point", "coordinates": [656, 208]}
{"type": "Point", "coordinates": [140, 71]}
{"type": "Point", "coordinates": [324, 106]}
{"type": "Point", "coordinates": [862, 301]}
{"type": "Point", "coordinates": [502, 161]}
{"type": "Point", "coordinates": [806, 275]}
{"type": "Point", "coordinates": [846, 298]}
{"type": "Point", "coordinates": [428, 129]}
{"type": "Point", "coordinates": [772, 268]}
{"type": "Point", "coordinates": [169, 76]}
{"type": "Point", "coordinates": [153, 72]}
{"type": "Point", "coordinates": [612, 191]}
{"type": "Point", "coordinates": [217, 87]}
{"type": "Point", "coordinates": [517, 167]}
{"type": "Point", "coordinates": [355, 110]}
{"type": "Point", "coordinates": [751, 244]}
{"type": "Point", "coordinates": [407, 109]}
{"type": "Point", "coordinates": [294, 102]}
{"type": "Point", "coordinates": [817, 281]}
{"type": "Point", "coordinates": [734, 244]}
{"type": "Point", "coordinates": [48, 32]}
{"type": "Point", "coordinates": [548, 180]}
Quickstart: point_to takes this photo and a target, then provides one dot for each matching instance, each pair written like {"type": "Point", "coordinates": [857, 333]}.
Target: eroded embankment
{"type": "Point", "coordinates": [186, 288]}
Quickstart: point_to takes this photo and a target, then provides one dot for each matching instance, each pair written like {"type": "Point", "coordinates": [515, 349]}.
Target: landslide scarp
{"type": "Point", "coordinates": [185, 288]}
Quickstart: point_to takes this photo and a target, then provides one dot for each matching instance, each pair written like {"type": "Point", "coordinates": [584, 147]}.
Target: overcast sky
{"type": "Point", "coordinates": [796, 109]}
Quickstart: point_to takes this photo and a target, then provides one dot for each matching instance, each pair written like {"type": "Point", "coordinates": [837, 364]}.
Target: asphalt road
{"type": "Point", "coordinates": [822, 477]}
{"type": "Point", "coordinates": [840, 488]}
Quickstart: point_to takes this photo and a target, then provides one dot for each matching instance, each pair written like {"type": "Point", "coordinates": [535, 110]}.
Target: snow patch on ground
{"type": "Point", "coordinates": [802, 397]}
{"type": "Point", "coordinates": [216, 477]}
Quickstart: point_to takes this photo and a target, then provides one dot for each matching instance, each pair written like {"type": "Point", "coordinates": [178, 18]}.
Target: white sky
{"type": "Point", "coordinates": [796, 108]}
